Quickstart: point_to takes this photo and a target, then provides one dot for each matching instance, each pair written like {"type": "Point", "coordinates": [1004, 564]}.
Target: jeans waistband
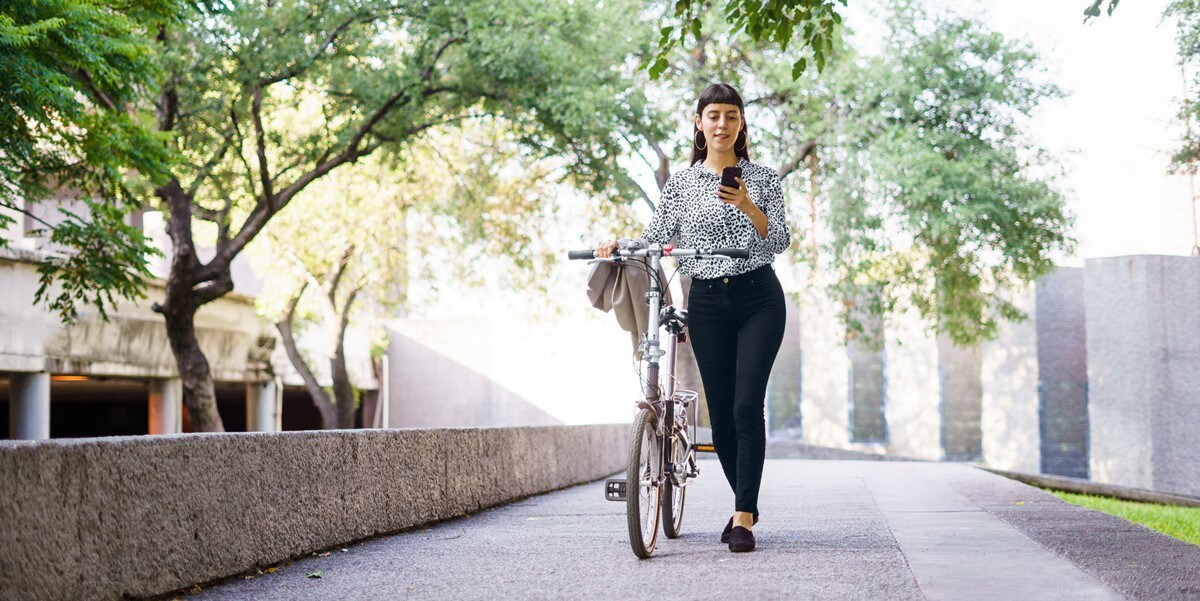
{"type": "Point", "coordinates": [749, 278]}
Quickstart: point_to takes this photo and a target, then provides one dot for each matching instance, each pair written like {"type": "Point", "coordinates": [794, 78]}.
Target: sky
{"type": "Point", "coordinates": [1116, 129]}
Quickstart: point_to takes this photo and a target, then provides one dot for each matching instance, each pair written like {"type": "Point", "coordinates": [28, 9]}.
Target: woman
{"type": "Point", "coordinates": [736, 309]}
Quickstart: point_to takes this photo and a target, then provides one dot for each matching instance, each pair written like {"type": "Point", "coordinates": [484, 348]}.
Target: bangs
{"type": "Point", "coordinates": [719, 93]}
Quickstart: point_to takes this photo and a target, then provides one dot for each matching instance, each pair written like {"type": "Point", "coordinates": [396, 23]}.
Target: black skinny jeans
{"type": "Point", "coordinates": [736, 328]}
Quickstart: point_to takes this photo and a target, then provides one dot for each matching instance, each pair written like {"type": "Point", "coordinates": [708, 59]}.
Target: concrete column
{"type": "Point", "coordinates": [29, 406]}
{"type": "Point", "coordinates": [1143, 369]}
{"type": "Point", "coordinates": [1062, 373]}
{"type": "Point", "coordinates": [166, 406]}
{"type": "Point", "coordinates": [1010, 373]}
{"type": "Point", "coordinates": [961, 393]}
{"type": "Point", "coordinates": [262, 407]}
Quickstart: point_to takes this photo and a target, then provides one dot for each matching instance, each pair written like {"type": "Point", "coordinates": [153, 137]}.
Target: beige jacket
{"type": "Point", "coordinates": [622, 289]}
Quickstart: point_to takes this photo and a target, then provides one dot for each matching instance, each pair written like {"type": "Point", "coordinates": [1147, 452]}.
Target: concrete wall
{"type": "Point", "coordinates": [914, 419]}
{"type": "Point", "coordinates": [105, 518]}
{"type": "Point", "coordinates": [824, 372]}
{"type": "Point", "coordinates": [783, 389]}
{"type": "Point", "coordinates": [961, 394]}
{"type": "Point", "coordinates": [511, 370]}
{"type": "Point", "coordinates": [1143, 368]}
{"type": "Point", "coordinates": [133, 343]}
{"type": "Point", "coordinates": [1062, 381]}
{"type": "Point", "coordinates": [1009, 377]}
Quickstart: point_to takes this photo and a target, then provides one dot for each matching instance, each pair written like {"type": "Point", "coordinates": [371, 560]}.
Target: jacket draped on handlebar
{"type": "Point", "coordinates": [621, 289]}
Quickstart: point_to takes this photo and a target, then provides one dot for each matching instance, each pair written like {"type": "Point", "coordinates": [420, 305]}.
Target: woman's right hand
{"type": "Point", "coordinates": [606, 249]}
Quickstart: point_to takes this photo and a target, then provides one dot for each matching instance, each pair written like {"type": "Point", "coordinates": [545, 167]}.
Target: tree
{"type": "Point", "coordinates": [72, 70]}
{"type": "Point", "coordinates": [816, 22]}
{"type": "Point", "coordinates": [936, 195]}
{"type": "Point", "coordinates": [368, 76]}
{"type": "Point", "coordinates": [927, 188]}
{"type": "Point", "coordinates": [347, 247]}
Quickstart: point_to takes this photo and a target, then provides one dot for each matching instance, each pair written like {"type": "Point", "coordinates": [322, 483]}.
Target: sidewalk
{"type": "Point", "coordinates": [829, 530]}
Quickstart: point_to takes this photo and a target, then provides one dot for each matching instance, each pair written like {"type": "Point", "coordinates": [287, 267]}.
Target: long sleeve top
{"type": "Point", "coordinates": [691, 212]}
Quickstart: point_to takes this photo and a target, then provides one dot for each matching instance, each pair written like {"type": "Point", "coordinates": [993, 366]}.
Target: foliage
{"type": "Point", "coordinates": [1093, 9]}
{"type": "Point", "coordinates": [72, 69]}
{"type": "Point", "coordinates": [777, 22]}
{"type": "Point", "coordinates": [356, 78]}
{"type": "Point", "coordinates": [1186, 16]}
{"type": "Point", "coordinates": [1182, 523]}
{"type": "Point", "coordinates": [108, 257]}
{"type": "Point", "coordinates": [928, 192]}
{"type": "Point", "coordinates": [937, 195]}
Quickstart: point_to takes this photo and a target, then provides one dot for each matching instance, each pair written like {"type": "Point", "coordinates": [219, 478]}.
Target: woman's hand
{"type": "Point", "coordinates": [605, 250]}
{"type": "Point", "coordinates": [738, 197]}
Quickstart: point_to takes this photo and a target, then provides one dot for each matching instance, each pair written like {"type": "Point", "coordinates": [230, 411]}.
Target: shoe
{"type": "Point", "coordinates": [729, 528]}
{"type": "Point", "coordinates": [741, 540]}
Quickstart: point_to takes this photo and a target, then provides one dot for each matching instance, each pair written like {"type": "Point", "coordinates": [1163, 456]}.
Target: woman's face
{"type": "Point", "coordinates": [720, 124]}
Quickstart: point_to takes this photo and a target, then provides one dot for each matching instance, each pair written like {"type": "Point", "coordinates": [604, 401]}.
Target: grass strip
{"type": "Point", "coordinates": [1182, 523]}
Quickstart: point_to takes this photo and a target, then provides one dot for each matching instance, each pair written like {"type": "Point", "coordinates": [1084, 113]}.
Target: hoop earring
{"type": "Point", "coordinates": [699, 147]}
{"type": "Point", "coordinates": [745, 140]}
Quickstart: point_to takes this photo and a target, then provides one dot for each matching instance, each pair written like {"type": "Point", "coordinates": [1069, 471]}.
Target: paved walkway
{"type": "Point", "coordinates": [830, 530]}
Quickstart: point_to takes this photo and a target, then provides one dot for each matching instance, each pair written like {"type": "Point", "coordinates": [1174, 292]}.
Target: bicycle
{"type": "Point", "coordinates": [662, 455]}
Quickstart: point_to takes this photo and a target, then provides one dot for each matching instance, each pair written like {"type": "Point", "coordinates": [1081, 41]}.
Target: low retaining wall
{"type": "Point", "coordinates": [139, 516]}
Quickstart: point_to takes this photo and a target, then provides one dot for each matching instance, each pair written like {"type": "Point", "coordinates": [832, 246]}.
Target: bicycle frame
{"type": "Point", "coordinates": [653, 393]}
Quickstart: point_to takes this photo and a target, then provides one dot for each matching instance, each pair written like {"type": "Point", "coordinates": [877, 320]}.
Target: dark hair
{"type": "Point", "coordinates": [719, 93]}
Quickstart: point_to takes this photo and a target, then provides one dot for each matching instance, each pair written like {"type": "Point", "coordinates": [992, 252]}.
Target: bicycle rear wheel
{"type": "Point", "coordinates": [643, 493]}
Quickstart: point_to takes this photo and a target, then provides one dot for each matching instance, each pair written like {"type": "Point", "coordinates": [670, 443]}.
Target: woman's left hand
{"type": "Point", "coordinates": [738, 197]}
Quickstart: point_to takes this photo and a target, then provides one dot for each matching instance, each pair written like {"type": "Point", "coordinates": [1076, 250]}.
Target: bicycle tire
{"type": "Point", "coordinates": [673, 498]}
{"type": "Point", "coordinates": [672, 504]}
{"type": "Point", "coordinates": [642, 510]}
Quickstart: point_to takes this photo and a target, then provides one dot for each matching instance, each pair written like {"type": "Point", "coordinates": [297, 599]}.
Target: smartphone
{"type": "Point", "coordinates": [727, 177]}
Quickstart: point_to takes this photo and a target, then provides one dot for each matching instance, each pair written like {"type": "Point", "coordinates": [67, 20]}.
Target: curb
{"type": "Point", "coordinates": [1081, 486]}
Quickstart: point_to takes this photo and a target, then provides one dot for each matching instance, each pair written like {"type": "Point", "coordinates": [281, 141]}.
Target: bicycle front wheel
{"type": "Point", "coordinates": [643, 493]}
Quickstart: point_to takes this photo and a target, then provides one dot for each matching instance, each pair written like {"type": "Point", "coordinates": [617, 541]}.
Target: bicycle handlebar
{"type": "Point", "coordinates": [664, 251]}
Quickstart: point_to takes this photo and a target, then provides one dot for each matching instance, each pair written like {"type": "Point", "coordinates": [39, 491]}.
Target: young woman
{"type": "Point", "coordinates": [736, 308]}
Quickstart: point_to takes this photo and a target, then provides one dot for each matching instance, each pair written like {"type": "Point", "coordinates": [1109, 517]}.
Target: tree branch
{"type": "Point", "coordinates": [329, 40]}
{"type": "Point", "coordinates": [260, 146]}
{"type": "Point", "coordinates": [794, 164]}
{"type": "Point", "coordinates": [99, 94]}
{"type": "Point", "coordinates": [263, 211]}
{"type": "Point", "coordinates": [339, 270]}
{"type": "Point", "coordinates": [207, 291]}
{"type": "Point", "coordinates": [208, 166]}
{"type": "Point", "coordinates": [286, 334]}
{"type": "Point", "coordinates": [428, 73]}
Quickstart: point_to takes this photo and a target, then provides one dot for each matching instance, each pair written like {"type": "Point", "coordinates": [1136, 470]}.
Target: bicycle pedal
{"type": "Point", "coordinates": [704, 448]}
{"type": "Point", "coordinates": [614, 489]}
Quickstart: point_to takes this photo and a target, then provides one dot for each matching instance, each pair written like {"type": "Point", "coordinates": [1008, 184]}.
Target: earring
{"type": "Point", "coordinates": [742, 135]}
{"type": "Point", "coordinates": [698, 146]}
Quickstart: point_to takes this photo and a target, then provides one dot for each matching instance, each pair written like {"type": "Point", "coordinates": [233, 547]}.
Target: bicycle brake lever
{"type": "Point", "coordinates": [609, 260]}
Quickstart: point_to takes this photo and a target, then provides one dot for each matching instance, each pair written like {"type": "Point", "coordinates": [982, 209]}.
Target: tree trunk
{"type": "Point", "coordinates": [343, 391]}
{"type": "Point", "coordinates": [344, 395]}
{"type": "Point", "coordinates": [198, 394]}
{"type": "Point", "coordinates": [179, 312]}
{"type": "Point", "coordinates": [320, 398]}
{"type": "Point", "coordinates": [812, 214]}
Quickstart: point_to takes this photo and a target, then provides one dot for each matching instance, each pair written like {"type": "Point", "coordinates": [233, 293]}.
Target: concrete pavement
{"type": "Point", "coordinates": [829, 530]}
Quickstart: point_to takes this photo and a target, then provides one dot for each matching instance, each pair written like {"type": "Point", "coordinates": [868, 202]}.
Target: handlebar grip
{"type": "Point", "coordinates": [733, 253]}
{"type": "Point", "coordinates": [581, 254]}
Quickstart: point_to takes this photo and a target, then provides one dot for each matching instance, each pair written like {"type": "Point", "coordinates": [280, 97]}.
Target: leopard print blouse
{"type": "Point", "coordinates": [690, 211]}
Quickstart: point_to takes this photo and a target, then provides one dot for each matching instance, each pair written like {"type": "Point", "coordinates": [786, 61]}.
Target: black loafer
{"type": "Point", "coordinates": [741, 540]}
{"type": "Point", "coordinates": [729, 527]}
